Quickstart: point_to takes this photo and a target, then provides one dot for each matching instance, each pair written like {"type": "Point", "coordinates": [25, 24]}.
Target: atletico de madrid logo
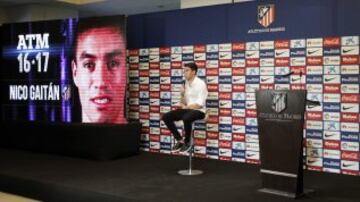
{"type": "Point", "coordinates": [278, 102]}
{"type": "Point", "coordinates": [266, 14]}
{"type": "Point", "coordinates": [66, 92]}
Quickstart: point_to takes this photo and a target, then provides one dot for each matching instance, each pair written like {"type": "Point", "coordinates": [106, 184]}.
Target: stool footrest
{"type": "Point", "coordinates": [190, 172]}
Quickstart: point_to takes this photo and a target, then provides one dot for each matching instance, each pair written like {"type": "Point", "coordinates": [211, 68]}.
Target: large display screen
{"type": "Point", "coordinates": [71, 70]}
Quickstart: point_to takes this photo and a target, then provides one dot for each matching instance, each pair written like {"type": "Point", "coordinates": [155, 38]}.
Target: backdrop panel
{"type": "Point", "coordinates": [243, 47]}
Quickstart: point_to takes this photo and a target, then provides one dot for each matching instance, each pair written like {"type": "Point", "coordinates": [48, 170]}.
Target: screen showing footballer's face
{"type": "Point", "coordinates": [99, 74]}
{"type": "Point", "coordinates": [68, 70]}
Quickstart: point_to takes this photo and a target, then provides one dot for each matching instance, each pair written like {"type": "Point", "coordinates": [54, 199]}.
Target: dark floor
{"type": "Point", "coordinates": [152, 177]}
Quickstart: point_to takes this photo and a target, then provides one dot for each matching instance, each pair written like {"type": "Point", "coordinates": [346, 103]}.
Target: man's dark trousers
{"type": "Point", "coordinates": [188, 116]}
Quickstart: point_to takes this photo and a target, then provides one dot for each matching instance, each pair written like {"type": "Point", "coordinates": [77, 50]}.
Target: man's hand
{"type": "Point", "coordinates": [182, 99]}
{"type": "Point", "coordinates": [182, 91]}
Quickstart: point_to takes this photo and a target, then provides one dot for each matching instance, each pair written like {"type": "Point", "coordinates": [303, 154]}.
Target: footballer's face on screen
{"type": "Point", "coordinates": [100, 75]}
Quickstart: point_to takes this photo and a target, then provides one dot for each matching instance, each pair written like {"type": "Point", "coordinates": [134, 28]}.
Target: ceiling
{"type": "Point", "coordinates": [107, 7]}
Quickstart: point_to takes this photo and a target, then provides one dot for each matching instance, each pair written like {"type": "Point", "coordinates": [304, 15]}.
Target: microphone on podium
{"type": "Point", "coordinates": [288, 74]}
{"type": "Point", "coordinates": [312, 102]}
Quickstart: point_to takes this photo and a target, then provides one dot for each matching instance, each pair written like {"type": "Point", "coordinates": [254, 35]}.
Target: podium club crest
{"type": "Point", "coordinates": [278, 101]}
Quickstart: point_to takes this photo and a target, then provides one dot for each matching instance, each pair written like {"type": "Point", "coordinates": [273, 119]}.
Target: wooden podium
{"type": "Point", "coordinates": [280, 116]}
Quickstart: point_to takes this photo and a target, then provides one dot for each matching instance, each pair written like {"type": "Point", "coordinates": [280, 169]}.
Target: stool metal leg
{"type": "Point", "coordinates": [190, 171]}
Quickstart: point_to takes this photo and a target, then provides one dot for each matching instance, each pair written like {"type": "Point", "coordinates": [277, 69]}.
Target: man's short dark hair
{"type": "Point", "coordinates": [86, 24]}
{"type": "Point", "coordinates": [192, 66]}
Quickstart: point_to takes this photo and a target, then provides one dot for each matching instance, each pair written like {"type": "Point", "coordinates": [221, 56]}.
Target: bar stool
{"type": "Point", "coordinates": [190, 170]}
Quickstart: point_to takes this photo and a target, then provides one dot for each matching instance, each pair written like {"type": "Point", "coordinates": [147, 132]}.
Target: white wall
{"type": "Point", "coordinates": [17, 14]}
{"type": "Point", "coordinates": [40, 12]}
{"type": "Point", "coordinates": [35, 13]}
{"type": "Point", "coordinates": [199, 3]}
{"type": "Point", "coordinates": [3, 17]}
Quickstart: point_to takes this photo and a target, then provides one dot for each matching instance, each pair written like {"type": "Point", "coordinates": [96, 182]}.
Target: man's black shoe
{"type": "Point", "coordinates": [177, 146]}
{"type": "Point", "coordinates": [186, 148]}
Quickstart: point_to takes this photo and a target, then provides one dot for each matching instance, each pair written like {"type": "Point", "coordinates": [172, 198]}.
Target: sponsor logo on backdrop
{"type": "Point", "coordinates": [167, 65]}
{"type": "Point", "coordinates": [254, 155]}
{"type": "Point", "coordinates": [350, 165]}
{"type": "Point", "coordinates": [317, 116]}
{"type": "Point", "coordinates": [350, 88]}
{"type": "Point", "coordinates": [331, 88]}
{"type": "Point", "coordinates": [349, 79]}
{"type": "Point", "coordinates": [331, 125]}
{"type": "Point", "coordinates": [332, 41]}
{"type": "Point", "coordinates": [280, 53]}
{"type": "Point", "coordinates": [165, 51]}
{"type": "Point", "coordinates": [267, 54]}
{"type": "Point", "coordinates": [252, 45]}
{"type": "Point", "coordinates": [331, 163]}
{"type": "Point", "coordinates": [331, 144]}
{"type": "Point", "coordinates": [316, 70]}
{"type": "Point", "coordinates": [225, 47]}
{"type": "Point", "coordinates": [349, 40]}
{"type": "Point", "coordinates": [350, 136]}
{"type": "Point", "coordinates": [154, 51]}
{"type": "Point", "coordinates": [331, 116]}
{"type": "Point", "coordinates": [350, 69]}
{"type": "Point", "coordinates": [314, 88]}
{"type": "Point", "coordinates": [144, 58]}
{"type": "Point", "coordinates": [331, 154]}
{"type": "Point", "coordinates": [314, 162]}
{"type": "Point", "coordinates": [331, 69]}
{"type": "Point", "coordinates": [225, 136]}
{"type": "Point", "coordinates": [316, 125]}
{"type": "Point", "coordinates": [266, 45]}
{"type": "Point", "coordinates": [350, 156]}
{"type": "Point", "coordinates": [314, 52]}
{"type": "Point", "coordinates": [297, 61]}
{"type": "Point", "coordinates": [350, 98]}
{"type": "Point", "coordinates": [212, 48]}
{"type": "Point", "coordinates": [314, 153]}
{"type": "Point", "coordinates": [314, 79]}
{"type": "Point", "coordinates": [282, 44]}
{"type": "Point", "coordinates": [331, 51]}
{"type": "Point", "coordinates": [176, 50]}
{"type": "Point", "coordinates": [213, 96]}
{"type": "Point", "coordinates": [314, 134]}
{"type": "Point", "coordinates": [331, 107]}
{"type": "Point", "coordinates": [314, 42]}
{"type": "Point", "coordinates": [251, 87]}
{"type": "Point", "coordinates": [349, 107]}
{"type": "Point", "coordinates": [349, 50]}
{"type": "Point", "coordinates": [252, 146]}
{"type": "Point", "coordinates": [212, 56]}
{"type": "Point", "coordinates": [187, 49]}
{"type": "Point", "coordinates": [298, 43]}
{"type": "Point", "coordinates": [238, 47]}
{"type": "Point", "coordinates": [349, 146]}
{"type": "Point", "coordinates": [297, 52]}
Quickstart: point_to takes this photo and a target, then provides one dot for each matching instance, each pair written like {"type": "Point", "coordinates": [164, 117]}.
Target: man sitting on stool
{"type": "Point", "coordinates": [192, 107]}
